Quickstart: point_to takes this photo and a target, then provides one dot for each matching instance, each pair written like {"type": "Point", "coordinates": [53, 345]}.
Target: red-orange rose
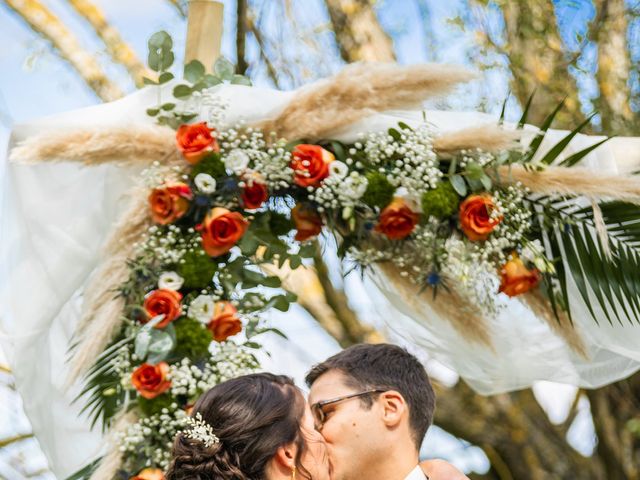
{"type": "Point", "coordinates": [397, 220]}
{"type": "Point", "coordinates": [255, 193]}
{"type": "Point", "coordinates": [475, 217]}
{"type": "Point", "coordinates": [310, 164]}
{"type": "Point", "coordinates": [225, 321]}
{"type": "Point", "coordinates": [170, 202]}
{"type": "Point", "coordinates": [516, 278]}
{"type": "Point", "coordinates": [221, 230]}
{"type": "Point", "coordinates": [308, 222]}
{"type": "Point", "coordinates": [149, 474]}
{"type": "Point", "coordinates": [196, 142]}
{"type": "Point", "coordinates": [151, 380]}
{"type": "Point", "coordinates": [163, 302]}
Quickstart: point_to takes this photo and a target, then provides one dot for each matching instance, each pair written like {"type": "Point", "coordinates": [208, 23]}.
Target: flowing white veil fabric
{"type": "Point", "coordinates": [54, 218]}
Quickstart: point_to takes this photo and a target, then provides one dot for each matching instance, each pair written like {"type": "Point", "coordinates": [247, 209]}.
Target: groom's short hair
{"type": "Point", "coordinates": [387, 367]}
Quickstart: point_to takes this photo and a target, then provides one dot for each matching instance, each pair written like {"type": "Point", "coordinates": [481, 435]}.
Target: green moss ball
{"type": "Point", "coordinates": [379, 191]}
{"type": "Point", "coordinates": [441, 202]}
{"type": "Point", "coordinates": [197, 270]}
{"type": "Point", "coordinates": [192, 339]}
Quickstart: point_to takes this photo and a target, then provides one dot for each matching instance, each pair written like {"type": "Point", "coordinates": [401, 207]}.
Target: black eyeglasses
{"type": "Point", "coordinates": [319, 414]}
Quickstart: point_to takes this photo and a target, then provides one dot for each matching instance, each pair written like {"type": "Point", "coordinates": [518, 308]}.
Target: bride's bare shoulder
{"type": "Point", "coordinates": [441, 470]}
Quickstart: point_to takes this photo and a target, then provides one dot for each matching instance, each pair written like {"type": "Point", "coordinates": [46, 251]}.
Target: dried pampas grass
{"type": "Point", "coordinates": [112, 460]}
{"type": "Point", "coordinates": [102, 306]}
{"type": "Point", "coordinates": [358, 91]}
{"type": "Point", "coordinates": [124, 146]}
{"type": "Point", "coordinates": [490, 138]}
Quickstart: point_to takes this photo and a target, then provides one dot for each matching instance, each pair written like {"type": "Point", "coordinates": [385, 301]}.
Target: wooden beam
{"type": "Point", "coordinates": [204, 32]}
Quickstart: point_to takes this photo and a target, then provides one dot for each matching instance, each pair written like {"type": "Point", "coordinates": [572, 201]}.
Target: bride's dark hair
{"type": "Point", "coordinates": [253, 416]}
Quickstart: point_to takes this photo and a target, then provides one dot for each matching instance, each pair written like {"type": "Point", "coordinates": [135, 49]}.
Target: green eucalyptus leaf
{"type": "Point", "coordinates": [182, 91]}
{"type": "Point", "coordinates": [148, 81]}
{"type": "Point", "coordinates": [165, 77]}
{"type": "Point", "coordinates": [193, 71]}
{"type": "Point", "coordinates": [168, 106]}
{"type": "Point", "coordinates": [211, 80]}
{"type": "Point", "coordinates": [152, 112]}
{"type": "Point", "coordinates": [224, 69]}
{"type": "Point", "coordinates": [459, 185]}
{"type": "Point", "coordinates": [240, 80]}
{"type": "Point", "coordinates": [160, 40]}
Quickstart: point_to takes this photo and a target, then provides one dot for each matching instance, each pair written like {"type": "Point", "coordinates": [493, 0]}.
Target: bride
{"type": "Point", "coordinates": [259, 427]}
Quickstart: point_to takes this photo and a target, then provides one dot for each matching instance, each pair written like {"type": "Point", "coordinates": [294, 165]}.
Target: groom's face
{"type": "Point", "coordinates": [354, 433]}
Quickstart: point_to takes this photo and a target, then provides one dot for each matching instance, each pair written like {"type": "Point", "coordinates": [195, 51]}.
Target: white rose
{"type": "Point", "coordinates": [170, 281]}
{"type": "Point", "coordinates": [237, 161]}
{"type": "Point", "coordinates": [354, 187]}
{"type": "Point", "coordinates": [201, 308]}
{"type": "Point", "coordinates": [338, 169]}
{"type": "Point", "coordinates": [205, 183]}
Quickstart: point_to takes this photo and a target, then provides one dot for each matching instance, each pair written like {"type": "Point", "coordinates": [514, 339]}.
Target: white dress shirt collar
{"type": "Point", "coordinates": [416, 474]}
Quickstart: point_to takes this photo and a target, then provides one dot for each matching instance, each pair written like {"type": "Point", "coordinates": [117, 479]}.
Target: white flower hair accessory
{"type": "Point", "coordinates": [198, 429]}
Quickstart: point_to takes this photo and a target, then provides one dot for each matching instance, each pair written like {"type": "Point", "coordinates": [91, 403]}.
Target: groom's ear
{"type": "Point", "coordinates": [286, 457]}
{"type": "Point", "coordinates": [393, 407]}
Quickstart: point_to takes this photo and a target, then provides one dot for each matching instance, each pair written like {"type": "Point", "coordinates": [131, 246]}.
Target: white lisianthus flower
{"type": "Point", "coordinates": [205, 183]}
{"type": "Point", "coordinates": [237, 161]}
{"type": "Point", "coordinates": [354, 187]}
{"type": "Point", "coordinates": [170, 281]}
{"type": "Point", "coordinates": [201, 308]}
{"type": "Point", "coordinates": [338, 169]}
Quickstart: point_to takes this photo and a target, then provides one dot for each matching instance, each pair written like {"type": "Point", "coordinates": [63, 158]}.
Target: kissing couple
{"type": "Point", "coordinates": [368, 410]}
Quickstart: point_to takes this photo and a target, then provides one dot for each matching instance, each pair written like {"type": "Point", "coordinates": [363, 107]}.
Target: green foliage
{"type": "Point", "coordinates": [197, 270]}
{"type": "Point", "coordinates": [210, 164]}
{"type": "Point", "coordinates": [609, 281]}
{"type": "Point", "coordinates": [192, 339]}
{"type": "Point", "coordinates": [160, 55]}
{"type": "Point", "coordinates": [280, 224]}
{"type": "Point", "coordinates": [441, 202]}
{"type": "Point", "coordinates": [103, 392]}
{"type": "Point", "coordinates": [379, 191]}
{"type": "Point", "coordinates": [154, 405]}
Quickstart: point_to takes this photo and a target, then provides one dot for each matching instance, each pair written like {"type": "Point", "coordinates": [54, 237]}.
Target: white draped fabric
{"type": "Point", "coordinates": [55, 217]}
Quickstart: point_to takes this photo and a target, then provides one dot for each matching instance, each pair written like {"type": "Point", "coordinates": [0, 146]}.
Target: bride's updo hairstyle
{"type": "Point", "coordinates": [252, 416]}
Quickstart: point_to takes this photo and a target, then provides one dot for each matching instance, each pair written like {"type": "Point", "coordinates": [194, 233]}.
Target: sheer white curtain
{"type": "Point", "coordinates": [54, 218]}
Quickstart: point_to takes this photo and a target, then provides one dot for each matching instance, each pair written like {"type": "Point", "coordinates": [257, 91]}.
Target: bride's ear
{"type": "Point", "coordinates": [286, 456]}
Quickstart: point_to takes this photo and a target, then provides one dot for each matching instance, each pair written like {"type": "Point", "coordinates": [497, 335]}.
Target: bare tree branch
{"type": "Point", "coordinates": [45, 23]}
{"type": "Point", "coordinates": [118, 49]}
{"type": "Point", "coordinates": [241, 36]}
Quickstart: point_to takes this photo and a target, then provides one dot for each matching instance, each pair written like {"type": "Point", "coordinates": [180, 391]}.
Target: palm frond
{"type": "Point", "coordinates": [611, 282]}
{"type": "Point", "coordinates": [85, 472]}
{"type": "Point", "coordinates": [103, 393]}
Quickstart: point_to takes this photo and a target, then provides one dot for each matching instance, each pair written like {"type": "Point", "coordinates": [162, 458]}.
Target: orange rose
{"type": "Point", "coordinates": [225, 321]}
{"type": "Point", "coordinates": [151, 380]}
{"type": "Point", "coordinates": [149, 474]}
{"type": "Point", "coordinates": [169, 203]}
{"type": "Point", "coordinates": [163, 302]}
{"type": "Point", "coordinates": [196, 142]}
{"type": "Point", "coordinates": [308, 222]}
{"type": "Point", "coordinates": [397, 220]}
{"type": "Point", "coordinates": [221, 230]}
{"type": "Point", "coordinates": [255, 193]}
{"type": "Point", "coordinates": [475, 217]}
{"type": "Point", "coordinates": [310, 164]}
{"type": "Point", "coordinates": [516, 278]}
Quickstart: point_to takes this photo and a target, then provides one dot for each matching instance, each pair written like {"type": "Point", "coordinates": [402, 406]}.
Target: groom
{"type": "Point", "coordinates": [373, 405]}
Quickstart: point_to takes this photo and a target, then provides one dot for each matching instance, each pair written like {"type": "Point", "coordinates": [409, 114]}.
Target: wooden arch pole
{"type": "Point", "coordinates": [204, 32]}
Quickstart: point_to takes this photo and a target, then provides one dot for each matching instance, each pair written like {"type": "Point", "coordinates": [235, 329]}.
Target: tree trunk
{"type": "Point", "coordinates": [358, 32]}
{"type": "Point", "coordinates": [613, 69]}
{"type": "Point", "coordinates": [539, 62]}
